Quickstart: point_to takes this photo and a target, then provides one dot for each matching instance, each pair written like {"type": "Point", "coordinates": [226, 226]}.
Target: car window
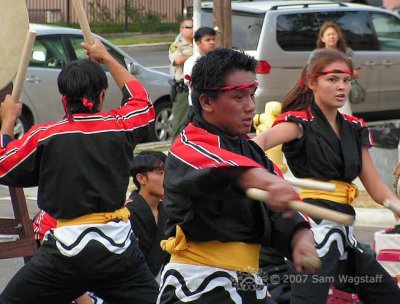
{"type": "Point", "coordinates": [246, 28]}
{"type": "Point", "coordinates": [298, 32]}
{"type": "Point", "coordinates": [81, 53]}
{"type": "Point", "coordinates": [48, 52]}
{"type": "Point", "coordinates": [387, 28]}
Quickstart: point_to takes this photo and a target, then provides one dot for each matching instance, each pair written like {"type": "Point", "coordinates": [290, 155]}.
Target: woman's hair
{"type": "Point", "coordinates": [146, 161]}
{"type": "Point", "coordinates": [212, 69]}
{"type": "Point", "coordinates": [341, 44]}
{"type": "Point", "coordinates": [300, 96]}
{"type": "Point", "coordinates": [82, 79]}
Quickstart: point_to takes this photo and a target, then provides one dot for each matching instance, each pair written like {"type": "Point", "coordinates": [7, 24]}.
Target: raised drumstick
{"type": "Point", "coordinates": [311, 210]}
{"type": "Point", "coordinates": [83, 22]}
{"type": "Point", "coordinates": [23, 65]}
{"type": "Point", "coordinates": [310, 184]}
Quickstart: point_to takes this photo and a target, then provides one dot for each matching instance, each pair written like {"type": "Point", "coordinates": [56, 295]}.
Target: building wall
{"type": "Point", "coordinates": [52, 11]}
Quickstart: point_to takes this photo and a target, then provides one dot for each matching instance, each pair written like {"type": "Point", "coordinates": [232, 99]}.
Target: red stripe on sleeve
{"type": "Point", "coordinates": [287, 117]}
{"type": "Point", "coordinates": [201, 149]}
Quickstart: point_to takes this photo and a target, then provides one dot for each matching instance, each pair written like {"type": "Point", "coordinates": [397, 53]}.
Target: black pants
{"type": "Point", "coordinates": [53, 278]}
{"type": "Point", "coordinates": [361, 271]}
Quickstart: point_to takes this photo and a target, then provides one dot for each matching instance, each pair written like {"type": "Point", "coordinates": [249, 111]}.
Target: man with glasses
{"type": "Point", "coordinates": [179, 52]}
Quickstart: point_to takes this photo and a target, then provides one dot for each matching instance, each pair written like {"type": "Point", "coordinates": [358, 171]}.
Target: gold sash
{"type": "Point", "coordinates": [122, 214]}
{"type": "Point", "coordinates": [236, 256]}
{"type": "Point", "coordinates": [345, 193]}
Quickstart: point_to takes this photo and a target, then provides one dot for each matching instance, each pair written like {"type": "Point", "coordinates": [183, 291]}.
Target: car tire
{"type": "Point", "coordinates": [161, 128]}
{"type": "Point", "coordinates": [22, 125]}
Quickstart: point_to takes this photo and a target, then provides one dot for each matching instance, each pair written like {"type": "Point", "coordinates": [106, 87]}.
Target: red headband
{"type": "Point", "coordinates": [321, 73]}
{"type": "Point", "coordinates": [229, 88]}
{"type": "Point", "coordinates": [226, 88]}
{"type": "Point", "coordinates": [86, 103]}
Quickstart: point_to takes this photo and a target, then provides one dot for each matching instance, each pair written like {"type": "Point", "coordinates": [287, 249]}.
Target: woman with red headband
{"type": "Point", "coordinates": [330, 36]}
{"type": "Point", "coordinates": [321, 144]}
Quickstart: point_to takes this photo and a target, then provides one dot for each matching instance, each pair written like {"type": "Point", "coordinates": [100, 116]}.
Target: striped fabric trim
{"type": "Point", "coordinates": [36, 225]}
{"type": "Point", "coordinates": [288, 116]}
{"type": "Point", "coordinates": [71, 240]}
{"type": "Point", "coordinates": [326, 233]}
{"type": "Point", "coordinates": [201, 149]}
{"type": "Point", "coordinates": [43, 222]}
{"type": "Point", "coordinates": [187, 283]}
{"type": "Point", "coordinates": [359, 121]}
{"type": "Point", "coordinates": [355, 120]}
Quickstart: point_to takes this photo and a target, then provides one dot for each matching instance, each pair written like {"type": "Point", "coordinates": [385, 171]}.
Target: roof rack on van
{"type": "Point", "coordinates": [306, 5]}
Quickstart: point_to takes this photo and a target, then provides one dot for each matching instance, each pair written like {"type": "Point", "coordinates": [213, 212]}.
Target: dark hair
{"type": "Point", "coordinates": [203, 31]}
{"type": "Point", "coordinates": [212, 69]}
{"type": "Point", "coordinates": [82, 79]}
{"type": "Point", "coordinates": [341, 44]}
{"type": "Point", "coordinates": [146, 161]}
{"type": "Point", "coordinates": [300, 96]}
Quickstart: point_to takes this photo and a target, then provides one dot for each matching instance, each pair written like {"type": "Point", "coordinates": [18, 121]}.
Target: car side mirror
{"type": "Point", "coordinates": [131, 67]}
{"type": "Point", "coordinates": [39, 56]}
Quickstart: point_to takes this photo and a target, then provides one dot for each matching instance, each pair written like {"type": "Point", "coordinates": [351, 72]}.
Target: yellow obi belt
{"type": "Point", "coordinates": [345, 193]}
{"type": "Point", "coordinates": [122, 214]}
{"type": "Point", "coordinates": [237, 256]}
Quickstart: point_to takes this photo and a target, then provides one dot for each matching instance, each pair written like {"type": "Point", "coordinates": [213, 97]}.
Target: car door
{"type": "Point", "coordinates": [387, 29]}
{"type": "Point", "coordinates": [113, 95]}
{"type": "Point", "coordinates": [47, 59]}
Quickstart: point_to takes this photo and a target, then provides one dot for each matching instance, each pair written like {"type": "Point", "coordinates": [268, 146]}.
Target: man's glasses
{"type": "Point", "coordinates": [187, 26]}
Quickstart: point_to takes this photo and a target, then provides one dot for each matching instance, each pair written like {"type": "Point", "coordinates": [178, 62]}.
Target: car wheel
{"type": "Point", "coordinates": [22, 124]}
{"type": "Point", "coordinates": [161, 128]}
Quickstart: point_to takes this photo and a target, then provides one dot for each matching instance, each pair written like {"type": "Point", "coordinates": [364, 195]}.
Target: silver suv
{"type": "Point", "coordinates": [56, 46]}
{"type": "Point", "coordinates": [281, 34]}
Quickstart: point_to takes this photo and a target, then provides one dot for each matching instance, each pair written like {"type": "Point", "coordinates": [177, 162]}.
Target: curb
{"type": "Point", "coordinates": [150, 46]}
{"type": "Point", "coordinates": [153, 47]}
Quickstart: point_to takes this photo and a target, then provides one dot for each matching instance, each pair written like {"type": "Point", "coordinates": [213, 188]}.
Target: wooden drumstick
{"type": "Point", "coordinates": [310, 184]}
{"type": "Point", "coordinates": [311, 210]}
{"type": "Point", "coordinates": [392, 206]}
{"type": "Point", "coordinates": [23, 65]}
{"type": "Point", "coordinates": [311, 263]}
{"type": "Point", "coordinates": [83, 22]}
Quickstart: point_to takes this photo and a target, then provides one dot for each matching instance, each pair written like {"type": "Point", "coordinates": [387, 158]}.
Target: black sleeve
{"type": "Point", "coordinates": [283, 230]}
{"type": "Point", "coordinates": [208, 182]}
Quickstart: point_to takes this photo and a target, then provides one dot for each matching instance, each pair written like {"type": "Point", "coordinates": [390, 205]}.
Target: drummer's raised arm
{"type": "Point", "coordinates": [9, 112]}
{"type": "Point", "coordinates": [99, 53]}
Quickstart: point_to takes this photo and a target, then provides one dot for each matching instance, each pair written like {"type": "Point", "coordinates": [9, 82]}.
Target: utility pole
{"type": "Point", "coordinates": [222, 17]}
{"type": "Point", "coordinates": [196, 21]}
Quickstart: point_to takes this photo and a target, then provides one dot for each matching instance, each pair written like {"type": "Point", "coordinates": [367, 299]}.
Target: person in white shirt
{"type": "Point", "coordinates": [205, 41]}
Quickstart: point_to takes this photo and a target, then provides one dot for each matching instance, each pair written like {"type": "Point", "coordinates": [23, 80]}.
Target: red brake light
{"type": "Point", "coordinates": [263, 67]}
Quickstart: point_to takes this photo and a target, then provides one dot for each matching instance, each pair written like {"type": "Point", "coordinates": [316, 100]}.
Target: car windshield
{"type": "Point", "coordinates": [246, 28]}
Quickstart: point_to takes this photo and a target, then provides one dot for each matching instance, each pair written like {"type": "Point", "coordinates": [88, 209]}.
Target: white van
{"type": "Point", "coordinates": [281, 34]}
